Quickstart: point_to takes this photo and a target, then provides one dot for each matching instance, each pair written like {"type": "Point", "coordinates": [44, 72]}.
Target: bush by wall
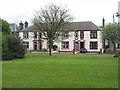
{"type": "Point", "coordinates": [109, 51]}
{"type": "Point", "coordinates": [44, 49]}
{"type": "Point", "coordinates": [14, 47]}
{"type": "Point", "coordinates": [117, 53]}
{"type": "Point", "coordinates": [54, 47]}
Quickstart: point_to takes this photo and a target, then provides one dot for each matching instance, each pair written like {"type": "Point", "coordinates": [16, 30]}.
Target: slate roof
{"type": "Point", "coordinates": [82, 26]}
{"type": "Point", "coordinates": [32, 28]}
{"type": "Point", "coordinates": [87, 25]}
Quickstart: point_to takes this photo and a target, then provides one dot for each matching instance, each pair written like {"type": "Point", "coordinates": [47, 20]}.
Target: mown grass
{"type": "Point", "coordinates": [61, 71]}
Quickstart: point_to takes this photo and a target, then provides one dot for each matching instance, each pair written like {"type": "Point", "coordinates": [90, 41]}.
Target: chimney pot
{"type": "Point", "coordinates": [21, 25]}
{"type": "Point", "coordinates": [103, 22]}
{"type": "Point", "coordinates": [26, 24]}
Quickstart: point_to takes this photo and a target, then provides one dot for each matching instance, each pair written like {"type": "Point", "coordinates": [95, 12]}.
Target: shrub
{"type": "Point", "coordinates": [43, 49]}
{"type": "Point", "coordinates": [54, 47]}
{"type": "Point", "coordinates": [109, 51]}
{"type": "Point", "coordinates": [15, 48]}
{"type": "Point", "coordinates": [117, 53]}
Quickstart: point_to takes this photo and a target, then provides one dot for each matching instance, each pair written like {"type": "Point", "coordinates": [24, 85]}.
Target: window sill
{"type": "Point", "coordinates": [93, 38]}
{"type": "Point", "coordinates": [93, 48]}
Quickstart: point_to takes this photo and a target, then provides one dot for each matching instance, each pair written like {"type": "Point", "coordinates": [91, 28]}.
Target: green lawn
{"type": "Point", "coordinates": [61, 71]}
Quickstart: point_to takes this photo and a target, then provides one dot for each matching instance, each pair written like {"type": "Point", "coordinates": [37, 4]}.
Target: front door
{"type": "Point", "coordinates": [82, 45]}
{"type": "Point", "coordinates": [40, 45]}
{"type": "Point", "coordinates": [76, 46]}
{"type": "Point", "coordinates": [35, 45]}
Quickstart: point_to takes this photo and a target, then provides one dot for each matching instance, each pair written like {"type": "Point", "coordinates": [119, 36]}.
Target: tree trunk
{"type": "Point", "coordinates": [114, 45]}
{"type": "Point", "coordinates": [49, 51]}
{"type": "Point", "coordinates": [50, 48]}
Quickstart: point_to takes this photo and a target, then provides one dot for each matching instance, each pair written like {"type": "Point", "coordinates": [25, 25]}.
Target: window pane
{"type": "Point", "coordinates": [93, 45]}
{"type": "Point", "coordinates": [93, 34]}
{"type": "Point", "coordinates": [65, 45]}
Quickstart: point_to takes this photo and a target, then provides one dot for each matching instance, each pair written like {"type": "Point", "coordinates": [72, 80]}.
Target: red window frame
{"type": "Point", "coordinates": [93, 34]}
{"type": "Point", "coordinates": [66, 35]}
{"type": "Point", "coordinates": [92, 45]}
{"type": "Point", "coordinates": [76, 34]}
{"type": "Point", "coordinates": [81, 34]}
{"type": "Point", "coordinates": [65, 47]}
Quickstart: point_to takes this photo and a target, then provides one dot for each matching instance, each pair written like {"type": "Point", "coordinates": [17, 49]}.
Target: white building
{"type": "Point", "coordinates": [78, 35]}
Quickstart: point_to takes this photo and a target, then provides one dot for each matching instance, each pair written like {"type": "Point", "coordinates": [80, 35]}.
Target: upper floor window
{"type": "Point", "coordinates": [35, 35]}
{"type": "Point", "coordinates": [25, 35]}
{"type": "Point", "coordinates": [81, 34]}
{"type": "Point", "coordinates": [76, 35]}
{"type": "Point", "coordinates": [93, 45]}
{"type": "Point", "coordinates": [65, 45]}
{"type": "Point", "coordinates": [118, 46]}
{"type": "Point", "coordinates": [40, 35]}
{"type": "Point", "coordinates": [93, 34]}
{"type": "Point", "coordinates": [66, 35]}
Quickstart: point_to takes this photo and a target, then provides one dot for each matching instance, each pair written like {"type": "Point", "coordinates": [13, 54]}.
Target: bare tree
{"type": "Point", "coordinates": [50, 20]}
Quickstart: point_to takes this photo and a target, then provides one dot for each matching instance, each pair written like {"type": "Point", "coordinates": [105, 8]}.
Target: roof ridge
{"type": "Point", "coordinates": [81, 21]}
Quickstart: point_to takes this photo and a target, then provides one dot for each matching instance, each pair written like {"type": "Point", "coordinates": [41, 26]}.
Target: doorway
{"type": "Point", "coordinates": [35, 45]}
{"type": "Point", "coordinates": [76, 46]}
{"type": "Point", "coordinates": [40, 45]}
{"type": "Point", "coordinates": [82, 45]}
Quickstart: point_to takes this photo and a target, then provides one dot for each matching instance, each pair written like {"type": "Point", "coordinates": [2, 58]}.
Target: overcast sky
{"type": "Point", "coordinates": [15, 11]}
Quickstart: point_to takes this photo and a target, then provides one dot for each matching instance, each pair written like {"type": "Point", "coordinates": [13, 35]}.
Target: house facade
{"type": "Point", "coordinates": [77, 35]}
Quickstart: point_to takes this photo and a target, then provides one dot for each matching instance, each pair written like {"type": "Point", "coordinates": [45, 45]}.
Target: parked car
{"type": "Point", "coordinates": [83, 50]}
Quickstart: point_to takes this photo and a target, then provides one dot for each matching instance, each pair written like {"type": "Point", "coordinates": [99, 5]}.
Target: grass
{"type": "Point", "coordinates": [61, 71]}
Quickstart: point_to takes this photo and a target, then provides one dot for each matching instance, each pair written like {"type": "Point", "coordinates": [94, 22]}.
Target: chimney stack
{"type": "Point", "coordinates": [20, 25]}
{"type": "Point", "coordinates": [26, 24]}
{"type": "Point", "coordinates": [103, 22]}
{"type": "Point", "coordinates": [113, 18]}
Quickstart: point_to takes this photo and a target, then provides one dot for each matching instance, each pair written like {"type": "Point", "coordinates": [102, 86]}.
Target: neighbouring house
{"type": "Point", "coordinates": [77, 35]}
{"type": "Point", "coordinates": [14, 28]}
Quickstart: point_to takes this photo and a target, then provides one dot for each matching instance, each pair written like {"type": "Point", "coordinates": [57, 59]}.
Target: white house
{"type": "Point", "coordinates": [78, 35]}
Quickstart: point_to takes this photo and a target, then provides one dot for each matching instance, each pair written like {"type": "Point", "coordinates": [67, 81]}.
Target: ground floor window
{"type": "Point", "coordinates": [26, 45]}
{"type": "Point", "coordinates": [65, 45]}
{"type": "Point", "coordinates": [93, 45]}
{"type": "Point", "coordinates": [118, 46]}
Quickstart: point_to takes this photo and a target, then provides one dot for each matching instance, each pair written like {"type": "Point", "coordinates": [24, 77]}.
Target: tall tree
{"type": "Point", "coordinates": [111, 33]}
{"type": "Point", "coordinates": [50, 20]}
{"type": "Point", "coordinates": [118, 15]}
{"type": "Point", "coordinates": [5, 27]}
